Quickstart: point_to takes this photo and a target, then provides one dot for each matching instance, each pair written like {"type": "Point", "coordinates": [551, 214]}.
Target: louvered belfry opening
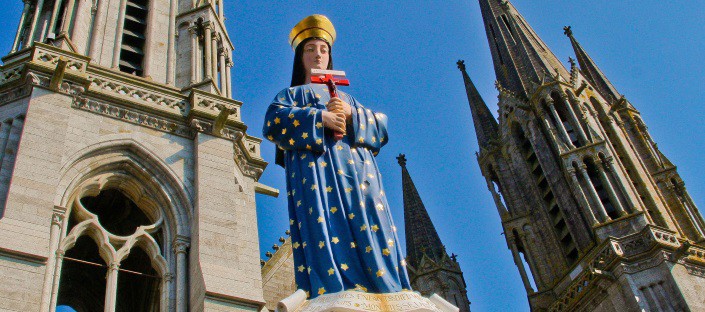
{"type": "Point", "coordinates": [133, 37]}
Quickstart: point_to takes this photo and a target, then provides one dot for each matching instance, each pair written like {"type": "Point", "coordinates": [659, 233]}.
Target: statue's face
{"type": "Point", "coordinates": [316, 55]}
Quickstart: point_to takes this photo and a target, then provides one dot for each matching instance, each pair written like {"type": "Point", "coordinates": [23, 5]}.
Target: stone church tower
{"type": "Point", "coordinates": [591, 208]}
{"type": "Point", "coordinates": [430, 268]}
{"type": "Point", "coordinates": [127, 180]}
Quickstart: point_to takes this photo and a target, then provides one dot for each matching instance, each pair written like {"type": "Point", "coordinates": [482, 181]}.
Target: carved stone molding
{"type": "Point", "coordinates": [132, 116]}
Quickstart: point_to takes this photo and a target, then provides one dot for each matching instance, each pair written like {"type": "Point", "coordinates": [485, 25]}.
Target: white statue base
{"type": "Point", "coordinates": [355, 301]}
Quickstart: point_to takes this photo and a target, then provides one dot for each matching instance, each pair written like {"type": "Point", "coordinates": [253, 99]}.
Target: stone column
{"type": "Point", "coordinates": [180, 249]}
{"type": "Point", "coordinates": [574, 117]}
{"type": "Point", "coordinates": [207, 28]}
{"type": "Point", "coordinates": [688, 205]}
{"type": "Point", "coordinates": [56, 276]}
{"type": "Point", "coordinates": [67, 17]}
{"type": "Point", "coordinates": [111, 286]}
{"type": "Point", "coordinates": [171, 50]}
{"type": "Point", "coordinates": [118, 34]}
{"type": "Point", "coordinates": [555, 140]}
{"type": "Point", "coordinates": [96, 35]}
{"type": "Point", "coordinates": [80, 9]}
{"type": "Point", "coordinates": [50, 273]}
{"type": "Point", "coordinates": [520, 265]}
{"type": "Point", "coordinates": [608, 186]}
{"type": "Point", "coordinates": [612, 169]}
{"type": "Point", "coordinates": [228, 83]}
{"type": "Point", "coordinates": [54, 16]}
{"type": "Point", "coordinates": [25, 11]}
{"type": "Point", "coordinates": [193, 31]}
{"type": "Point", "coordinates": [591, 188]}
{"type": "Point", "coordinates": [214, 58]}
{"type": "Point", "coordinates": [559, 124]}
{"type": "Point", "coordinates": [223, 79]}
{"type": "Point", "coordinates": [497, 199]}
{"type": "Point", "coordinates": [35, 19]}
{"type": "Point", "coordinates": [581, 196]}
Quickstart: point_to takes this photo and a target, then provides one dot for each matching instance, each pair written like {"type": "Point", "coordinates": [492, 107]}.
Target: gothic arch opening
{"type": "Point", "coordinates": [82, 278]}
{"type": "Point", "coordinates": [599, 186]}
{"type": "Point", "coordinates": [129, 280]}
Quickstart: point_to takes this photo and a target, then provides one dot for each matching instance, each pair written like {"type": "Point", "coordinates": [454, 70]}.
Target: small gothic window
{"type": "Point", "coordinates": [133, 37]}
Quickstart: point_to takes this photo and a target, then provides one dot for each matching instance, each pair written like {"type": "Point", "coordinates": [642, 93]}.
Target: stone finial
{"type": "Point", "coordinates": [568, 31]}
{"type": "Point", "coordinates": [275, 247]}
{"type": "Point", "coordinates": [268, 254]}
{"type": "Point", "coordinates": [402, 160]}
{"type": "Point", "coordinates": [571, 61]}
{"type": "Point", "coordinates": [287, 232]}
{"type": "Point", "coordinates": [281, 239]}
{"type": "Point", "coordinates": [461, 65]}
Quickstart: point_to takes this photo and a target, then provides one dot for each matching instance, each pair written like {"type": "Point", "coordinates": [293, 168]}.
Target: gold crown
{"type": "Point", "coordinates": [314, 26]}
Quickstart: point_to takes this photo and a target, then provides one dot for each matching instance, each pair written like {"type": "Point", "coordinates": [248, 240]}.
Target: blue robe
{"type": "Point", "coordinates": [342, 232]}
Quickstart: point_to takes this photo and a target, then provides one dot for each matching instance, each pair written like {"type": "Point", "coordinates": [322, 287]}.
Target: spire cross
{"type": "Point", "coordinates": [568, 31]}
{"type": "Point", "coordinates": [461, 65]}
{"type": "Point", "coordinates": [402, 160]}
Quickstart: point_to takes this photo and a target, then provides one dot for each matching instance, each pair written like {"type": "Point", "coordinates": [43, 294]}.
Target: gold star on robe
{"type": "Point", "coordinates": [394, 228]}
{"type": "Point", "coordinates": [311, 164]}
{"type": "Point", "coordinates": [301, 268]}
{"type": "Point", "coordinates": [363, 186]}
{"type": "Point", "coordinates": [296, 245]}
{"type": "Point", "coordinates": [269, 123]}
{"type": "Point", "coordinates": [298, 203]}
{"type": "Point", "coordinates": [348, 189]}
{"type": "Point", "coordinates": [374, 140]}
{"type": "Point", "coordinates": [284, 131]}
{"type": "Point", "coordinates": [319, 125]}
{"type": "Point", "coordinates": [331, 271]}
{"type": "Point", "coordinates": [308, 147]}
{"type": "Point", "coordinates": [277, 120]}
{"type": "Point", "coordinates": [329, 189]}
{"type": "Point", "coordinates": [291, 115]}
{"type": "Point", "coordinates": [386, 252]}
{"type": "Point", "coordinates": [303, 181]}
{"type": "Point", "coordinates": [321, 244]}
{"type": "Point", "coordinates": [344, 267]}
{"type": "Point", "coordinates": [335, 240]}
{"type": "Point", "coordinates": [351, 216]}
{"type": "Point", "coordinates": [379, 207]}
{"type": "Point", "coordinates": [319, 141]}
{"type": "Point", "coordinates": [363, 227]}
{"type": "Point", "coordinates": [339, 147]}
{"type": "Point", "coordinates": [271, 138]}
{"type": "Point", "coordinates": [390, 242]}
{"type": "Point", "coordinates": [374, 228]}
{"type": "Point", "coordinates": [291, 221]}
{"type": "Point", "coordinates": [291, 141]}
{"type": "Point", "coordinates": [320, 219]}
{"type": "Point", "coordinates": [368, 249]}
{"type": "Point", "coordinates": [353, 245]}
{"type": "Point", "coordinates": [380, 272]}
{"type": "Point", "coordinates": [310, 210]}
{"type": "Point", "coordinates": [314, 187]}
{"type": "Point", "coordinates": [321, 291]}
{"type": "Point", "coordinates": [303, 157]}
{"type": "Point", "coordinates": [303, 245]}
{"type": "Point", "coordinates": [324, 164]}
{"type": "Point", "coordinates": [333, 210]}
{"type": "Point", "coordinates": [359, 287]}
{"type": "Point", "coordinates": [361, 140]}
{"type": "Point", "coordinates": [351, 162]}
{"type": "Point", "coordinates": [371, 176]}
{"type": "Point", "coordinates": [304, 135]}
{"type": "Point", "coordinates": [403, 262]}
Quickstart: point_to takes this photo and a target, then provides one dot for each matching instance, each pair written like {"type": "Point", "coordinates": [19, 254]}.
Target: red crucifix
{"type": "Point", "coordinates": [331, 78]}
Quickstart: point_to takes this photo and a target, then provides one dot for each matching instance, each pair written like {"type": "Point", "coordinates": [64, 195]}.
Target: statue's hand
{"type": "Point", "coordinates": [337, 105]}
{"type": "Point", "coordinates": [334, 120]}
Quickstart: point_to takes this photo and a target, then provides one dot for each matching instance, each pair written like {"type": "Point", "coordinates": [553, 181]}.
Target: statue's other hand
{"type": "Point", "coordinates": [334, 120]}
{"type": "Point", "coordinates": [337, 105]}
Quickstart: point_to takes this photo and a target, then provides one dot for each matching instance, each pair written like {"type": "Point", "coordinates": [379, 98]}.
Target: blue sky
{"type": "Point", "coordinates": [400, 57]}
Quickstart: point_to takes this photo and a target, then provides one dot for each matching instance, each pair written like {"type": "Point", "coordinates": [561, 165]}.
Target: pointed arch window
{"type": "Point", "coordinates": [116, 263]}
{"type": "Point", "coordinates": [554, 211]}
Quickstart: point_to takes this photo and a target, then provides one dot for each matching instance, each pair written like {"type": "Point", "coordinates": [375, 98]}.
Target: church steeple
{"type": "Point", "coordinates": [421, 235]}
{"type": "Point", "coordinates": [431, 270]}
{"type": "Point", "coordinates": [591, 71]}
{"type": "Point", "coordinates": [485, 125]}
{"type": "Point", "coordinates": [521, 59]}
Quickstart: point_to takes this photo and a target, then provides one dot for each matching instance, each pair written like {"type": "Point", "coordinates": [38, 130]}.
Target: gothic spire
{"type": "Point", "coordinates": [421, 235]}
{"type": "Point", "coordinates": [592, 72]}
{"type": "Point", "coordinates": [485, 125]}
{"type": "Point", "coordinates": [521, 59]}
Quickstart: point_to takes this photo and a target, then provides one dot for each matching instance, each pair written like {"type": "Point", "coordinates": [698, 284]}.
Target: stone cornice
{"type": "Point", "coordinates": [627, 255]}
{"type": "Point", "coordinates": [130, 98]}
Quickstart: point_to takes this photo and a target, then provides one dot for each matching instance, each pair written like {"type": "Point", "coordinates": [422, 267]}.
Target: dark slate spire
{"type": "Point", "coordinates": [520, 58]}
{"type": "Point", "coordinates": [592, 72]}
{"type": "Point", "coordinates": [485, 125]}
{"type": "Point", "coordinates": [421, 235]}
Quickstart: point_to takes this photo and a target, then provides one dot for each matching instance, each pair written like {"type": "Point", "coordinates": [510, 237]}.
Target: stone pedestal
{"type": "Point", "coordinates": [354, 301]}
